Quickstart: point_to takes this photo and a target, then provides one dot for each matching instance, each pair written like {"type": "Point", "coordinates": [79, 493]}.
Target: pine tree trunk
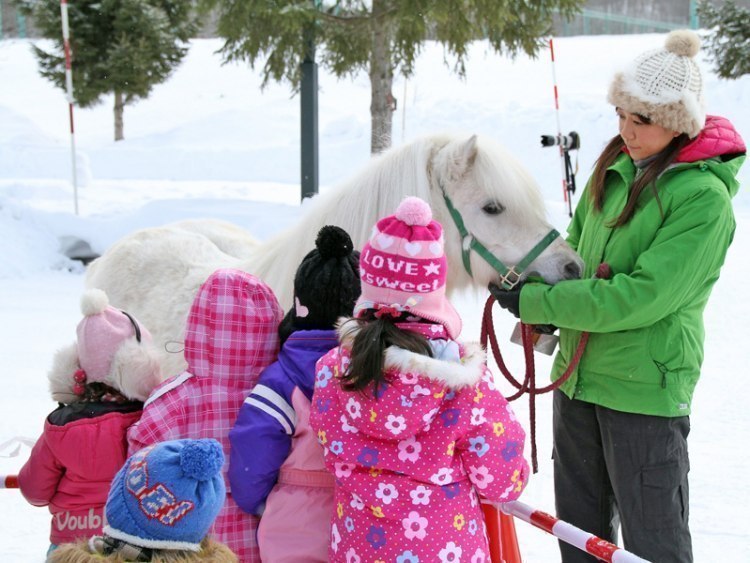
{"type": "Point", "coordinates": [119, 109]}
{"type": "Point", "coordinates": [381, 82]}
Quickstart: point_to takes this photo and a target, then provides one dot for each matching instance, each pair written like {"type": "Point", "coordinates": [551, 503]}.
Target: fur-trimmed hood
{"type": "Point", "coordinates": [424, 382]}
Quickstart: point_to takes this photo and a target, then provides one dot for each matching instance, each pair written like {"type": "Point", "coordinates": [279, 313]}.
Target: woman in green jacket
{"type": "Point", "coordinates": [657, 210]}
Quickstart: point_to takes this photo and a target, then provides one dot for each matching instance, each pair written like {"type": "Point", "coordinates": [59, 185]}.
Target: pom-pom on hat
{"type": "Point", "coordinates": [665, 85]}
{"type": "Point", "coordinates": [112, 348]}
{"type": "Point", "coordinates": [167, 495]}
{"type": "Point", "coordinates": [403, 267]}
{"type": "Point", "coordinates": [326, 284]}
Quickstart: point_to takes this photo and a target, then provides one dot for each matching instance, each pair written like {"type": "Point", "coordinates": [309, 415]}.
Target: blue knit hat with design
{"type": "Point", "coordinates": [166, 496]}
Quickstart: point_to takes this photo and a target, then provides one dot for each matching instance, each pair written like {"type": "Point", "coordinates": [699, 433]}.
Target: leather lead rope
{"type": "Point", "coordinates": [528, 385]}
{"type": "Point", "coordinates": [488, 336]}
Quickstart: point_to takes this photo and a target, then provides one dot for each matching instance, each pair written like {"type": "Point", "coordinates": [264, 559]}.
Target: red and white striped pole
{"type": "Point", "coordinates": [599, 548]}
{"type": "Point", "coordinates": [559, 129]}
{"type": "Point", "coordinates": [69, 91]}
{"type": "Point", "coordinates": [8, 481]}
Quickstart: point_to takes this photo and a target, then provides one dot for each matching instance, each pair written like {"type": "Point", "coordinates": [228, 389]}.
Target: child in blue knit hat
{"type": "Point", "coordinates": [160, 507]}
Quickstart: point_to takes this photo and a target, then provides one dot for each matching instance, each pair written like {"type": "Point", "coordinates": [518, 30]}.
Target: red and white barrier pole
{"type": "Point", "coordinates": [69, 92]}
{"type": "Point", "coordinates": [8, 481]}
{"type": "Point", "coordinates": [599, 548]}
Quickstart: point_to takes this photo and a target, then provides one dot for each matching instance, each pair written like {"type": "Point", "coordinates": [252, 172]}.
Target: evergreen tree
{"type": "Point", "coordinates": [382, 37]}
{"type": "Point", "coordinates": [729, 38]}
{"type": "Point", "coordinates": [124, 47]}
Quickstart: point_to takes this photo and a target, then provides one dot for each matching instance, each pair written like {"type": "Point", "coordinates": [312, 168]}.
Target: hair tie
{"type": "Point", "coordinates": [387, 311]}
{"type": "Point", "coordinates": [79, 387]}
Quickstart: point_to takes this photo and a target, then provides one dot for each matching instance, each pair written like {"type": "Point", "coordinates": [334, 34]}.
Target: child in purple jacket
{"type": "Point", "coordinates": [276, 465]}
{"type": "Point", "coordinates": [414, 430]}
{"type": "Point", "coordinates": [100, 382]}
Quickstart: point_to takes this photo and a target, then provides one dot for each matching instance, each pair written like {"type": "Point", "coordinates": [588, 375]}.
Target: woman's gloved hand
{"type": "Point", "coordinates": [508, 299]}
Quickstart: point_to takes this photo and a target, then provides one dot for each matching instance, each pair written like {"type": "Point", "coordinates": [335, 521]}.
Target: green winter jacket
{"type": "Point", "coordinates": [646, 322]}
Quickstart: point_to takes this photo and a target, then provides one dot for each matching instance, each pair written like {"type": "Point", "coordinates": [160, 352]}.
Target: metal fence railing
{"type": "Point", "coordinates": [604, 17]}
{"type": "Point", "coordinates": [12, 22]}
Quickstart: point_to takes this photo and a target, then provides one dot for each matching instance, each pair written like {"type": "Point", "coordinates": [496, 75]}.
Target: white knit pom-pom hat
{"type": "Point", "coordinates": [664, 85]}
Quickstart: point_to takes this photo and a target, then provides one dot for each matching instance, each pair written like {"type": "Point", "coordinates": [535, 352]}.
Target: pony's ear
{"type": "Point", "coordinates": [464, 157]}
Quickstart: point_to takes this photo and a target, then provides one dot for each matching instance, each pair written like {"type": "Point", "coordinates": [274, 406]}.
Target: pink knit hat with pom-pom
{"type": "Point", "coordinates": [101, 332]}
{"type": "Point", "coordinates": [403, 267]}
{"type": "Point", "coordinates": [112, 348]}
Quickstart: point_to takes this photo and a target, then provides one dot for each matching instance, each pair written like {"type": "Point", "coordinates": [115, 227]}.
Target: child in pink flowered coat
{"type": "Point", "coordinates": [413, 428]}
{"type": "Point", "coordinates": [231, 337]}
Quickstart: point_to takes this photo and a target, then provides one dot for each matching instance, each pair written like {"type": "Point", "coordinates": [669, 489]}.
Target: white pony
{"type": "Point", "coordinates": [155, 273]}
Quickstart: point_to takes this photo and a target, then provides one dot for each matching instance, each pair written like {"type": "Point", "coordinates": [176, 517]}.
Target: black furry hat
{"type": "Point", "coordinates": [326, 284]}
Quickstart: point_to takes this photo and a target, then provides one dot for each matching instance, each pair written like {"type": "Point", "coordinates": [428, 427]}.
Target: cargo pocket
{"type": "Point", "coordinates": [664, 496]}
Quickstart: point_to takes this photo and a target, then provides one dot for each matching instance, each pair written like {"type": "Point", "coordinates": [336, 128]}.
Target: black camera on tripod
{"type": "Point", "coordinates": [569, 142]}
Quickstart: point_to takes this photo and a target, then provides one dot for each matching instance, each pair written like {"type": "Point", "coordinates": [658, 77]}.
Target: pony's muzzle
{"type": "Point", "coordinates": [572, 271]}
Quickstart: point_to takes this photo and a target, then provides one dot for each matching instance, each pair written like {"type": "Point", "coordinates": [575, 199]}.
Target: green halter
{"type": "Point", "coordinates": [509, 277]}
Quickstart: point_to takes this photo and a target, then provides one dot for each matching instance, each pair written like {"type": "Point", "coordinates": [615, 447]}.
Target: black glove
{"type": "Point", "coordinates": [508, 299]}
{"type": "Point", "coordinates": [545, 329]}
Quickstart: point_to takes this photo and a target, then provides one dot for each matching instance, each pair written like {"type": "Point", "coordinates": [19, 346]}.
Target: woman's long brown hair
{"type": "Point", "coordinates": [375, 335]}
{"type": "Point", "coordinates": [645, 180]}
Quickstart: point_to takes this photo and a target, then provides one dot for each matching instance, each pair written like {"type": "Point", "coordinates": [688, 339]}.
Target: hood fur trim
{"type": "Point", "coordinates": [452, 375]}
{"type": "Point", "coordinates": [80, 552]}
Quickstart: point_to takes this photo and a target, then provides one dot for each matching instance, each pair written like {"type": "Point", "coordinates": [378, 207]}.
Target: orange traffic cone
{"type": "Point", "coordinates": [501, 532]}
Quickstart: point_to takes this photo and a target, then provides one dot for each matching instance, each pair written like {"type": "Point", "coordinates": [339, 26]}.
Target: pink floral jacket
{"type": "Point", "coordinates": [410, 464]}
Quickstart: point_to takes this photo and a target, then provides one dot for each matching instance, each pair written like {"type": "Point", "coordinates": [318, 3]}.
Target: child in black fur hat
{"type": "Point", "coordinates": [288, 485]}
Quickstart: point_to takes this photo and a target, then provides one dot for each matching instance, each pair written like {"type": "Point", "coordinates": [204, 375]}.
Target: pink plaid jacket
{"type": "Point", "coordinates": [231, 337]}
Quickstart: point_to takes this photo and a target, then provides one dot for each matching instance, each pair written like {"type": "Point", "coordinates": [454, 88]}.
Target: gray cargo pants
{"type": "Point", "coordinates": [621, 469]}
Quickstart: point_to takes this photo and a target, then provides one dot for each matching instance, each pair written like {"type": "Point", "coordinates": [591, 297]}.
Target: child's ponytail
{"type": "Point", "coordinates": [373, 336]}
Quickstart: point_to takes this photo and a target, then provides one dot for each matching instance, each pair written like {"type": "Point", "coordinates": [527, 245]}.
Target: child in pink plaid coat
{"type": "Point", "coordinates": [231, 337]}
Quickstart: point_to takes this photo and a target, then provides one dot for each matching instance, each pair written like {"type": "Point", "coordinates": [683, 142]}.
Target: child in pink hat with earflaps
{"type": "Point", "coordinates": [100, 383]}
{"type": "Point", "coordinates": [413, 428]}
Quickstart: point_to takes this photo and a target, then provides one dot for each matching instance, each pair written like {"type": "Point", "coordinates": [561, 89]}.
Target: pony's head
{"type": "Point", "coordinates": [498, 200]}
{"type": "Point", "coordinates": [501, 208]}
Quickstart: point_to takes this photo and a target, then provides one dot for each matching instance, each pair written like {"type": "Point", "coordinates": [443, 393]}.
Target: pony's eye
{"type": "Point", "coordinates": [493, 208]}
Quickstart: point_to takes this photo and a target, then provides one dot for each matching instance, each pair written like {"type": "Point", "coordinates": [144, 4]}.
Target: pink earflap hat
{"type": "Point", "coordinates": [403, 267]}
{"type": "Point", "coordinates": [112, 348]}
{"type": "Point", "coordinates": [101, 332]}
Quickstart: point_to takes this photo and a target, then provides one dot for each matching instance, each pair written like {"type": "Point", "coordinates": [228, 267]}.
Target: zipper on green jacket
{"type": "Point", "coordinates": [663, 370]}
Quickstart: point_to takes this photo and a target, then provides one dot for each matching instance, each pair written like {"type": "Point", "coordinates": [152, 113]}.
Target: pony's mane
{"type": "Point", "coordinates": [357, 204]}
{"type": "Point", "coordinates": [354, 205]}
